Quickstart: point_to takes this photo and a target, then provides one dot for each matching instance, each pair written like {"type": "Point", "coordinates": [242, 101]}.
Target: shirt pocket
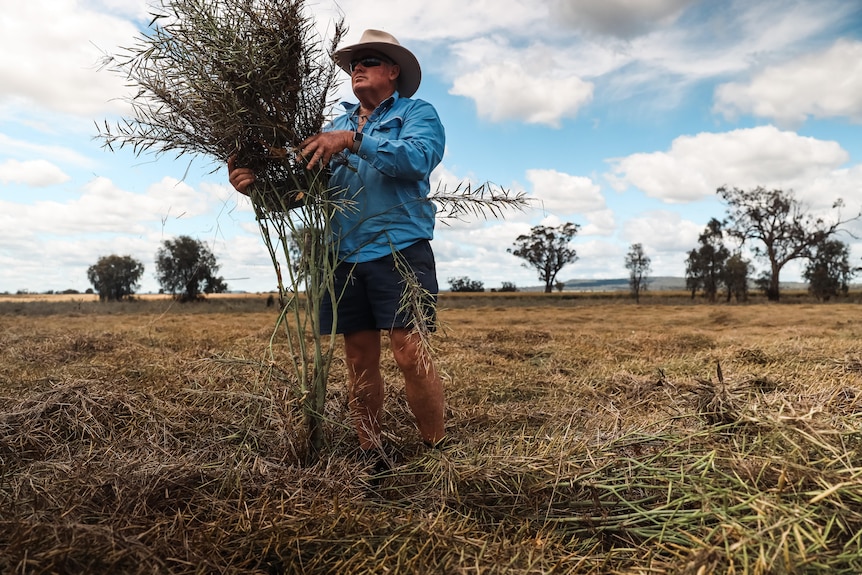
{"type": "Point", "coordinates": [390, 128]}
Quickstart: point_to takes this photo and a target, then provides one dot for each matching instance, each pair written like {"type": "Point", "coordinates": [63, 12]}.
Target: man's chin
{"type": "Point", "coordinates": [361, 88]}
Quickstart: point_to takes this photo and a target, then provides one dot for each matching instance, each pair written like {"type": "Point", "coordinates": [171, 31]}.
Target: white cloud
{"type": "Point", "coordinates": [533, 83]}
{"type": "Point", "coordinates": [662, 231]}
{"type": "Point", "coordinates": [68, 256]}
{"type": "Point", "coordinates": [600, 223]}
{"type": "Point", "coordinates": [445, 180]}
{"type": "Point", "coordinates": [50, 53]}
{"type": "Point", "coordinates": [662, 68]}
{"type": "Point", "coordinates": [596, 259]}
{"type": "Point", "coordinates": [695, 166]}
{"type": "Point", "coordinates": [518, 60]}
{"type": "Point", "coordinates": [562, 193]}
{"type": "Point", "coordinates": [441, 19]}
{"type": "Point", "coordinates": [34, 173]}
{"type": "Point", "coordinates": [245, 264]}
{"type": "Point", "coordinates": [622, 18]}
{"type": "Point", "coordinates": [822, 85]}
{"type": "Point", "coordinates": [480, 253]}
{"type": "Point", "coordinates": [509, 91]}
{"type": "Point", "coordinates": [29, 150]}
{"type": "Point", "coordinates": [102, 207]}
{"type": "Point", "coordinates": [546, 74]}
{"type": "Point", "coordinates": [822, 191]}
{"type": "Point", "coordinates": [716, 42]}
{"type": "Point", "coordinates": [105, 219]}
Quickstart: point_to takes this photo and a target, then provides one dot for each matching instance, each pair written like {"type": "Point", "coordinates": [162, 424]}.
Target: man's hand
{"type": "Point", "coordinates": [240, 178]}
{"type": "Point", "coordinates": [321, 147]}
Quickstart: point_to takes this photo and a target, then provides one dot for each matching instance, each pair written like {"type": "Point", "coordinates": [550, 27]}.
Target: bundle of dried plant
{"type": "Point", "coordinates": [248, 79]}
{"type": "Point", "coordinates": [222, 78]}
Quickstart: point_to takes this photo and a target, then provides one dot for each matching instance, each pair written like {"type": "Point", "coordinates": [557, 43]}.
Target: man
{"type": "Point", "coordinates": [392, 143]}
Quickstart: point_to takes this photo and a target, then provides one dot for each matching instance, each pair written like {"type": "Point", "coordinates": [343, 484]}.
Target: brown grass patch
{"type": "Point", "coordinates": [599, 438]}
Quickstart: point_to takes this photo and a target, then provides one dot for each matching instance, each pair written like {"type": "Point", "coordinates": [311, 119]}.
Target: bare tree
{"type": "Point", "coordinates": [784, 227]}
{"type": "Point", "coordinates": [638, 265]}
{"type": "Point", "coordinates": [547, 250]}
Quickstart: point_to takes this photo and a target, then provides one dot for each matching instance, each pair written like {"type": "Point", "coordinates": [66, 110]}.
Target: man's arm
{"type": "Point", "coordinates": [417, 150]}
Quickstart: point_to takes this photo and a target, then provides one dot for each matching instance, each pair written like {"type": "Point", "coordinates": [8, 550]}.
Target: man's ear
{"type": "Point", "coordinates": [394, 71]}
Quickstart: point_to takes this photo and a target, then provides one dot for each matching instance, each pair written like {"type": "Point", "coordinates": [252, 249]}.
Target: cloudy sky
{"type": "Point", "coordinates": [622, 116]}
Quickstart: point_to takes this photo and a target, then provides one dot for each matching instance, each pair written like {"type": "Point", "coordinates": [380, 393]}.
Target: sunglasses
{"type": "Point", "coordinates": [367, 62]}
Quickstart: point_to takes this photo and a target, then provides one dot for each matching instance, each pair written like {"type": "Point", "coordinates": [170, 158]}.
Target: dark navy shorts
{"type": "Point", "coordinates": [372, 293]}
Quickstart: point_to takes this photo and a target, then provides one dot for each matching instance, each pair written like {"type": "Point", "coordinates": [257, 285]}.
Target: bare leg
{"type": "Point", "coordinates": [365, 392]}
{"type": "Point", "coordinates": [422, 384]}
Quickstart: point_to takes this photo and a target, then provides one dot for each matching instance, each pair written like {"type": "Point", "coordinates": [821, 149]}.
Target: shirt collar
{"type": "Point", "coordinates": [352, 108]}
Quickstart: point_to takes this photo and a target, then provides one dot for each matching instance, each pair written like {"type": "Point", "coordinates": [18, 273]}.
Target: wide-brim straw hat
{"type": "Point", "coordinates": [386, 44]}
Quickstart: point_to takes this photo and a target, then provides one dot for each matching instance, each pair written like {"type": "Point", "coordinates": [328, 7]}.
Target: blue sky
{"type": "Point", "coordinates": [623, 116]}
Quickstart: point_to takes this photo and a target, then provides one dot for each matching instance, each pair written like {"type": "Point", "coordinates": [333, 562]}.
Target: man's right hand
{"type": "Point", "coordinates": [240, 178]}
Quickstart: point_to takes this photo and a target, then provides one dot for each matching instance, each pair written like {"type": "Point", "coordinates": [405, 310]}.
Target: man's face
{"type": "Point", "coordinates": [373, 72]}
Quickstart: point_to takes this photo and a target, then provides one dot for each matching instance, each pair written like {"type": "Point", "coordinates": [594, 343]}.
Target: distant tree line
{"type": "Point", "coordinates": [775, 226]}
{"type": "Point", "coordinates": [712, 267]}
{"type": "Point", "coordinates": [465, 284]}
{"type": "Point", "coordinates": [185, 268]}
{"type": "Point", "coordinates": [778, 229]}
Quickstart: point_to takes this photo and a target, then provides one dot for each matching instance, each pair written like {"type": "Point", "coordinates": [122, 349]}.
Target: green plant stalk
{"type": "Point", "coordinates": [248, 80]}
{"type": "Point", "coordinates": [313, 275]}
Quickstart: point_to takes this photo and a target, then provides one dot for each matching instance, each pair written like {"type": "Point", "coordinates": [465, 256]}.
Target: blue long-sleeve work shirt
{"type": "Point", "coordinates": [387, 180]}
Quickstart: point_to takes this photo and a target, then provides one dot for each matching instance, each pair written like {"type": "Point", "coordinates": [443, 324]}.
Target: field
{"type": "Point", "coordinates": [587, 435]}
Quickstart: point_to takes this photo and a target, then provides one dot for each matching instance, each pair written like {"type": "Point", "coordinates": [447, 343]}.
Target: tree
{"type": "Point", "coordinates": [828, 272]}
{"type": "Point", "coordinates": [762, 282]}
{"type": "Point", "coordinates": [186, 267]}
{"type": "Point", "coordinates": [638, 265]}
{"type": "Point", "coordinates": [115, 277]}
{"type": "Point", "coordinates": [736, 272]}
{"type": "Point", "coordinates": [784, 227]}
{"type": "Point", "coordinates": [705, 267]}
{"type": "Point", "coordinates": [547, 250]}
{"type": "Point", "coordinates": [465, 284]}
{"type": "Point", "coordinates": [693, 279]}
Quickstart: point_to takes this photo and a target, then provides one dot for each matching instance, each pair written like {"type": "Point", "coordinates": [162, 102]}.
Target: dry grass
{"type": "Point", "coordinates": [599, 438]}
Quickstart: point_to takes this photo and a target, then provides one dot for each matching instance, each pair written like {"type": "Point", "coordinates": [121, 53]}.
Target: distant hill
{"type": "Point", "coordinates": [614, 284]}
{"type": "Point", "coordinates": [657, 283]}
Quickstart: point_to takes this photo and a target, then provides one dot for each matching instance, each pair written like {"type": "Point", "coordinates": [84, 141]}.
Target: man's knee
{"type": "Point", "coordinates": [407, 350]}
{"type": "Point", "coordinates": [362, 351]}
